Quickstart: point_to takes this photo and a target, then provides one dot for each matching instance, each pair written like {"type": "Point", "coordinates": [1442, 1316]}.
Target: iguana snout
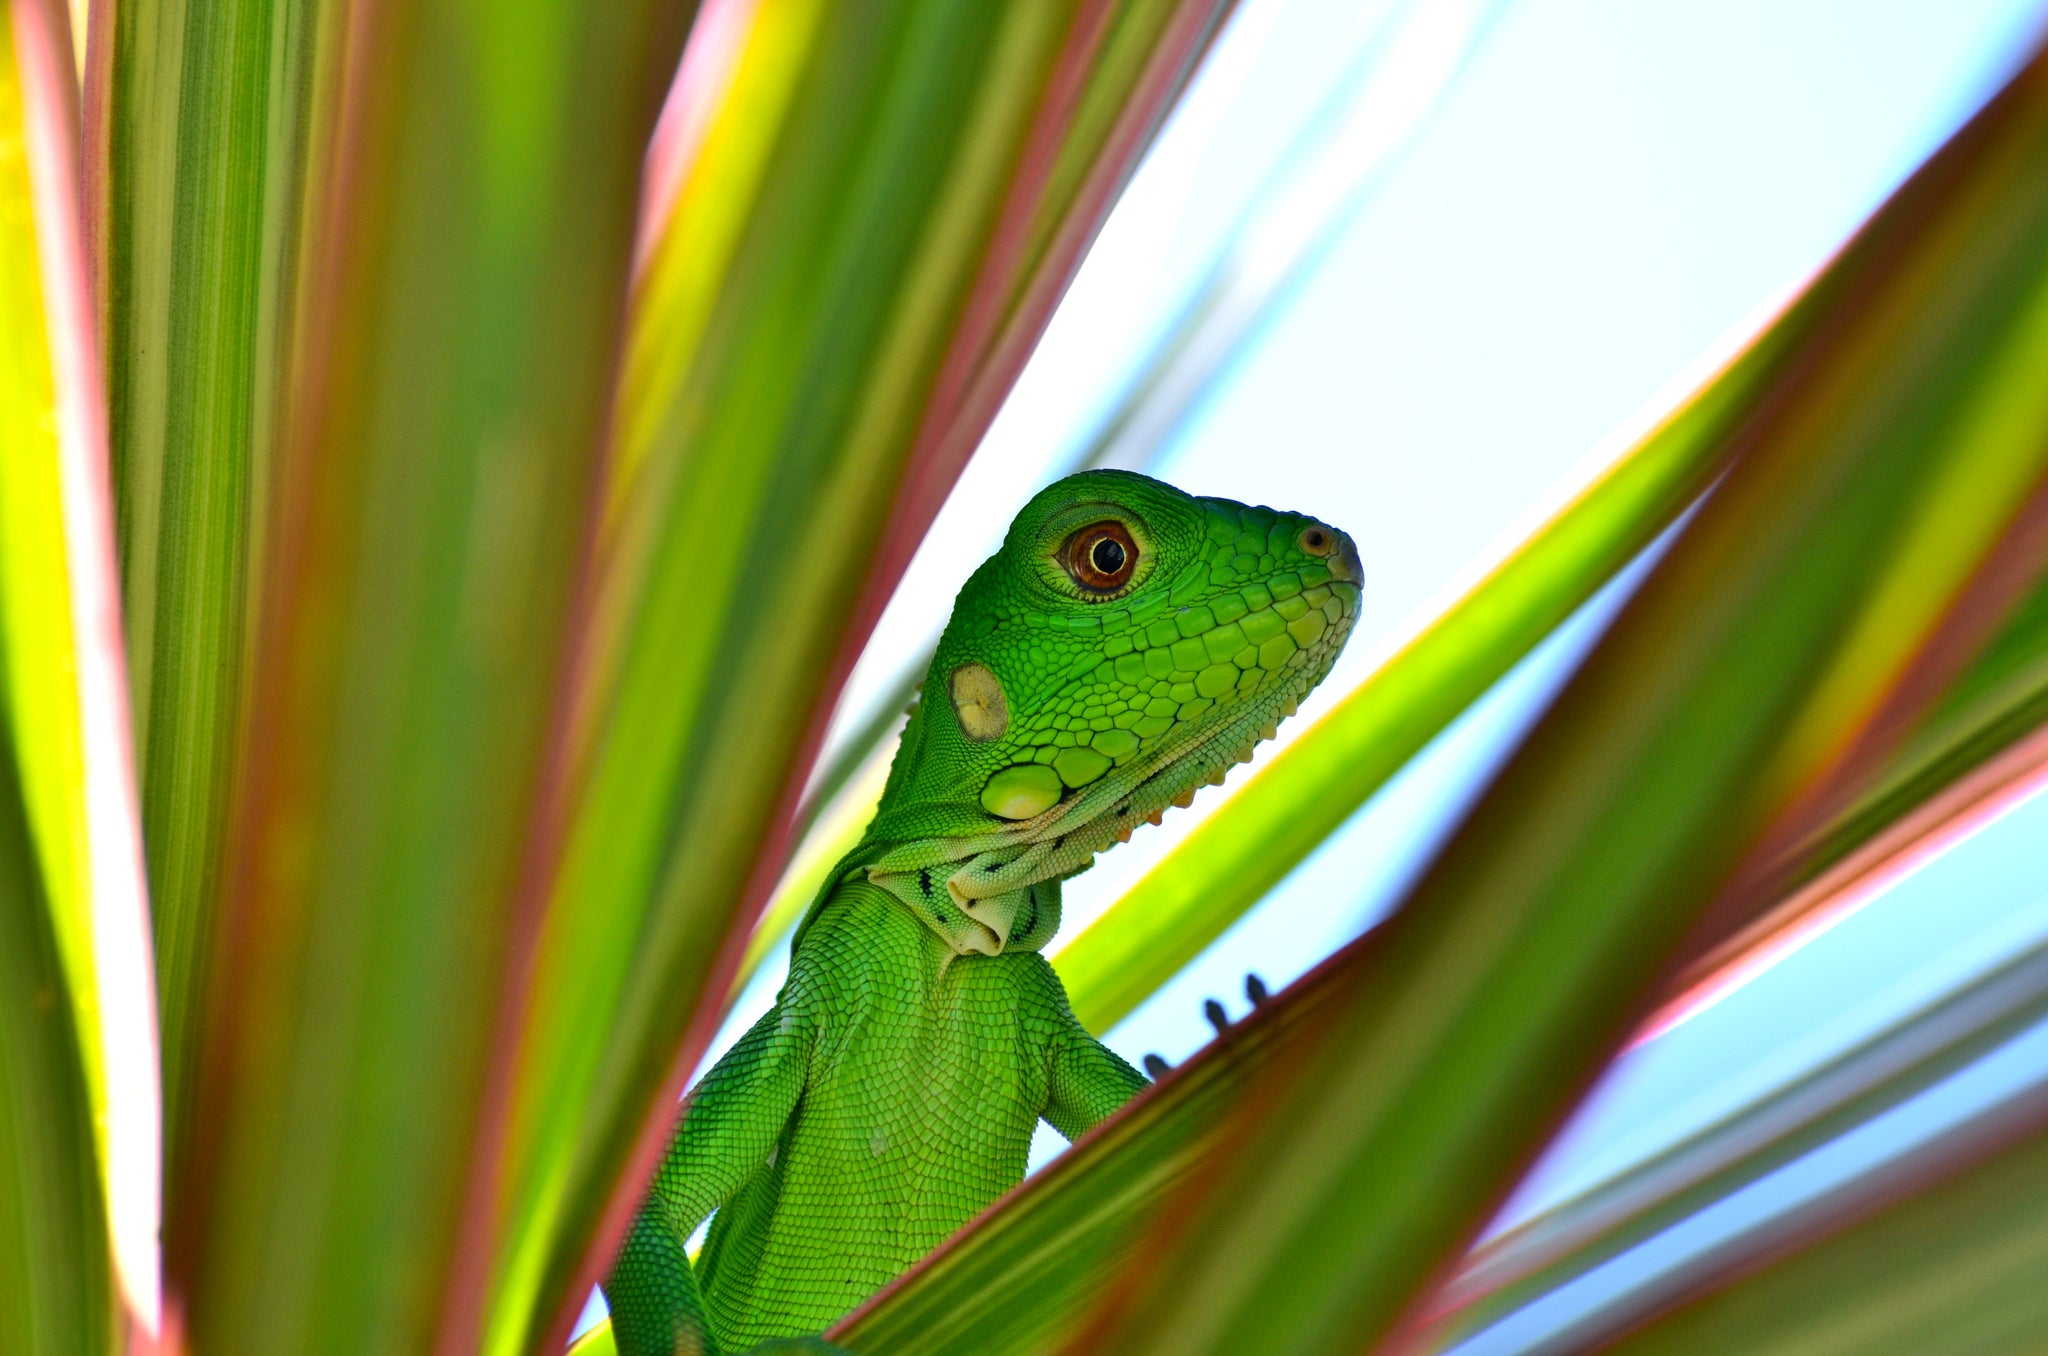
{"type": "Point", "coordinates": [1342, 555]}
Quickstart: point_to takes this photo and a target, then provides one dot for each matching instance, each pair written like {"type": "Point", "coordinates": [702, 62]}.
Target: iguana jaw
{"type": "Point", "coordinates": [1172, 777]}
{"type": "Point", "coordinates": [1143, 792]}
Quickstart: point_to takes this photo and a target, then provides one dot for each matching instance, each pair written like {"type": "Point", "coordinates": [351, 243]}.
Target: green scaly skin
{"type": "Point", "coordinates": [892, 1091]}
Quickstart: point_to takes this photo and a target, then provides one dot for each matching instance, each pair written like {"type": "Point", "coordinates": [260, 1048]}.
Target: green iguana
{"type": "Point", "coordinates": [1126, 646]}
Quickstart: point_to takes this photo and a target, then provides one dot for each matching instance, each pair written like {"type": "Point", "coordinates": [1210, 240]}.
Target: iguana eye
{"type": "Point", "coordinates": [1100, 557]}
{"type": "Point", "coordinates": [1316, 540]}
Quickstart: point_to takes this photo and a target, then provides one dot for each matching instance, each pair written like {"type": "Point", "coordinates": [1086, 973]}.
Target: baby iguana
{"type": "Point", "coordinates": [1126, 646]}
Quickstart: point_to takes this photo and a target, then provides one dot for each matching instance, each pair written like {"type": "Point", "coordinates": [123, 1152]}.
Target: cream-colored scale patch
{"type": "Point", "coordinates": [979, 703]}
{"type": "Point", "coordinates": [1021, 791]}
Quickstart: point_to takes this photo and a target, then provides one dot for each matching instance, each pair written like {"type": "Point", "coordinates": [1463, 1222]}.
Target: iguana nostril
{"type": "Point", "coordinates": [1342, 559]}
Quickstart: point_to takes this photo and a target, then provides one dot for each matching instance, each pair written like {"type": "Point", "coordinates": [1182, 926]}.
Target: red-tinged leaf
{"type": "Point", "coordinates": [1941, 797]}
{"type": "Point", "coordinates": [1954, 1267]}
{"type": "Point", "coordinates": [1757, 1151]}
{"type": "Point", "coordinates": [1947, 817]}
{"type": "Point", "coordinates": [425, 524]}
{"type": "Point", "coordinates": [1909, 792]}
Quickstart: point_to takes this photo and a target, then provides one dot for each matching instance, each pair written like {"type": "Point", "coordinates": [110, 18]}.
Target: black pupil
{"type": "Point", "coordinates": [1315, 539]}
{"type": "Point", "coordinates": [1107, 555]}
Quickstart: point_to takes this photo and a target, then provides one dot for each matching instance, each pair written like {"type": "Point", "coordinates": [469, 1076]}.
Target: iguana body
{"type": "Point", "coordinates": [1126, 645]}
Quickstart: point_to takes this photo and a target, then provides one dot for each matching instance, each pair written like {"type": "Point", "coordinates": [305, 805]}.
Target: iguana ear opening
{"type": "Point", "coordinates": [978, 701]}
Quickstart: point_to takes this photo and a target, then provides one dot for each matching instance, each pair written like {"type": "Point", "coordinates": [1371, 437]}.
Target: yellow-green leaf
{"type": "Point", "coordinates": [78, 1110]}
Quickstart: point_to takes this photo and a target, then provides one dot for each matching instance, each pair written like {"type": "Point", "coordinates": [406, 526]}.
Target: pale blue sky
{"type": "Point", "coordinates": [1609, 190]}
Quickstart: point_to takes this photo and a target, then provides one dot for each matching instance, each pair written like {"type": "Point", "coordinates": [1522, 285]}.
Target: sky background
{"type": "Point", "coordinates": [1605, 194]}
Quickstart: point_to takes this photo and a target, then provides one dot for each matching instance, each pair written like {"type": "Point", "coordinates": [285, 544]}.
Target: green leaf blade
{"type": "Point", "coordinates": [200, 172]}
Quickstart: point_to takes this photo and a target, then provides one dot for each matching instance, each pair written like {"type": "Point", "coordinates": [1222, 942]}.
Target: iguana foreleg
{"type": "Point", "coordinates": [1089, 1080]}
{"type": "Point", "coordinates": [727, 1130]}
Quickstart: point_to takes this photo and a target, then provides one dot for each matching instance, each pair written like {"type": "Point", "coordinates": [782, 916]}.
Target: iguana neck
{"type": "Point", "coordinates": [997, 889]}
{"type": "Point", "coordinates": [928, 881]}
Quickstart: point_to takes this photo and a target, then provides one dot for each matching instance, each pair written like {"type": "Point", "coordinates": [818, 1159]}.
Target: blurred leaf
{"type": "Point", "coordinates": [1984, 746]}
{"type": "Point", "coordinates": [1548, 1251]}
{"type": "Point", "coordinates": [56, 1296]}
{"type": "Point", "coordinates": [202, 122]}
{"type": "Point", "coordinates": [427, 509]}
{"type": "Point", "coordinates": [1955, 1268]}
{"type": "Point", "coordinates": [1880, 466]}
{"type": "Point", "coordinates": [78, 1110]}
{"type": "Point", "coordinates": [882, 209]}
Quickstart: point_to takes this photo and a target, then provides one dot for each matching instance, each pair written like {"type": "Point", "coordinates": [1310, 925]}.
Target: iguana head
{"type": "Point", "coordinates": [1124, 648]}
